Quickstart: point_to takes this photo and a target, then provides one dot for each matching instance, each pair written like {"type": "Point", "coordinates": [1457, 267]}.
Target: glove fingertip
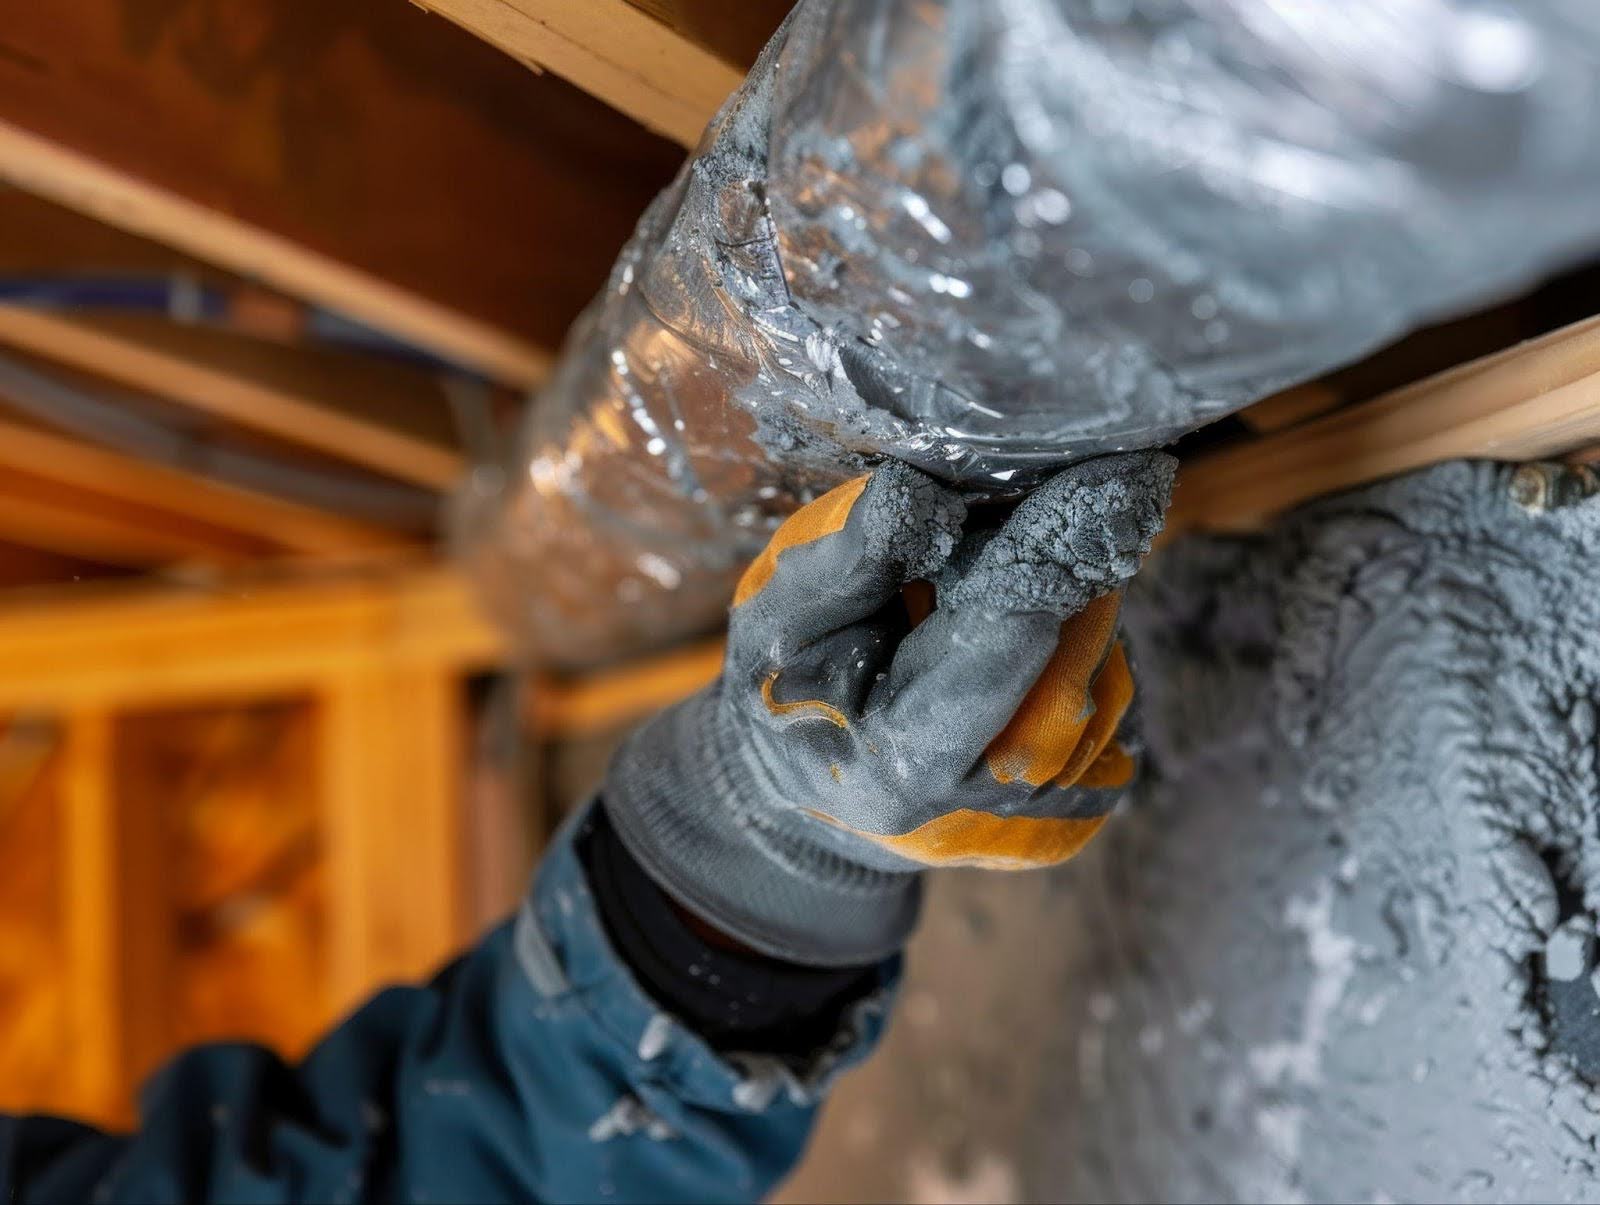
{"type": "Point", "coordinates": [910, 518]}
{"type": "Point", "coordinates": [1079, 536]}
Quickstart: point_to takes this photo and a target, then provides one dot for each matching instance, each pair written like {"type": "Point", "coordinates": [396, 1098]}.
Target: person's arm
{"type": "Point", "coordinates": [850, 744]}
{"type": "Point", "coordinates": [706, 949]}
{"type": "Point", "coordinates": [537, 1067]}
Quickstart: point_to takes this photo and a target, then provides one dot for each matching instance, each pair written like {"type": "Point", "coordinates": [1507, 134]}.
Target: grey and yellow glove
{"type": "Point", "coordinates": [847, 746]}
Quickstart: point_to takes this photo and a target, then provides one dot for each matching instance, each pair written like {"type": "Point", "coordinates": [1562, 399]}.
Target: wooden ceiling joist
{"type": "Point", "coordinates": [226, 377]}
{"type": "Point", "coordinates": [39, 513]}
{"type": "Point", "coordinates": [25, 565]}
{"type": "Point", "coordinates": [567, 708]}
{"type": "Point", "coordinates": [1537, 400]}
{"type": "Point", "coordinates": [75, 498]}
{"type": "Point", "coordinates": [67, 178]}
{"type": "Point", "coordinates": [1290, 407]}
{"type": "Point", "coordinates": [144, 645]}
{"type": "Point", "coordinates": [632, 56]}
{"type": "Point", "coordinates": [360, 155]}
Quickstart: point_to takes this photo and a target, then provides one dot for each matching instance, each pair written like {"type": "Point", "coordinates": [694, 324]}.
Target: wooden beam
{"type": "Point", "coordinates": [1539, 399]}
{"type": "Point", "coordinates": [1291, 407]}
{"type": "Point", "coordinates": [563, 708]}
{"type": "Point", "coordinates": [28, 566]}
{"type": "Point", "coordinates": [142, 905]}
{"type": "Point", "coordinates": [632, 60]}
{"type": "Point", "coordinates": [104, 193]}
{"type": "Point", "coordinates": [358, 155]}
{"type": "Point", "coordinates": [285, 393]}
{"type": "Point", "coordinates": [392, 794]}
{"type": "Point", "coordinates": [41, 513]}
{"type": "Point", "coordinates": [144, 504]}
{"type": "Point", "coordinates": [89, 909]}
{"type": "Point", "coordinates": [108, 645]}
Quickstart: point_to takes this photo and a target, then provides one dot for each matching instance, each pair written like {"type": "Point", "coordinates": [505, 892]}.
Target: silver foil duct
{"type": "Point", "coordinates": [990, 237]}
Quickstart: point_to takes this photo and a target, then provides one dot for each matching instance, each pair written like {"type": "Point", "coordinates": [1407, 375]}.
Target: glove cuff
{"type": "Point", "coordinates": [708, 832]}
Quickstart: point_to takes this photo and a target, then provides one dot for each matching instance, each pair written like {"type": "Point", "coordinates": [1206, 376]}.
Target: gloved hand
{"type": "Point", "coordinates": [844, 747]}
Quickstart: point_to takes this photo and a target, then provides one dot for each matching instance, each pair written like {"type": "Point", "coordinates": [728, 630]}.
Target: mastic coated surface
{"type": "Point", "coordinates": [1309, 962]}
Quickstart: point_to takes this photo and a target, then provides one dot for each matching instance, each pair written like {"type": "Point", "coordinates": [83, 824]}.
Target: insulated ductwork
{"type": "Point", "coordinates": [993, 236]}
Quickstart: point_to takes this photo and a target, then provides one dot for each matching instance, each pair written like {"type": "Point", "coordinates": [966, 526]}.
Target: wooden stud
{"type": "Point", "coordinates": [89, 909]}
{"type": "Point", "coordinates": [228, 378]}
{"type": "Point", "coordinates": [1539, 399]}
{"type": "Point", "coordinates": [391, 803]}
{"type": "Point", "coordinates": [611, 49]}
{"type": "Point", "coordinates": [143, 909]}
{"type": "Point", "coordinates": [607, 699]}
{"type": "Point", "coordinates": [142, 503]}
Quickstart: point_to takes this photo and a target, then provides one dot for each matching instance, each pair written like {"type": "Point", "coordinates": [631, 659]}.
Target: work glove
{"type": "Point", "coordinates": [847, 746]}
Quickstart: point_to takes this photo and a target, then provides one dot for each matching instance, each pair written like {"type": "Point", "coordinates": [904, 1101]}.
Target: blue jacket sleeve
{"type": "Point", "coordinates": [534, 1068]}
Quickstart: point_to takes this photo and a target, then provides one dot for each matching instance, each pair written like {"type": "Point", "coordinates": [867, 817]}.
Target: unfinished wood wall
{"type": "Point", "coordinates": [243, 777]}
{"type": "Point", "coordinates": [228, 818]}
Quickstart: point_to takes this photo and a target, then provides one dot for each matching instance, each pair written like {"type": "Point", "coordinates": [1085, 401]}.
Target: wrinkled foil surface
{"type": "Point", "coordinates": [991, 237]}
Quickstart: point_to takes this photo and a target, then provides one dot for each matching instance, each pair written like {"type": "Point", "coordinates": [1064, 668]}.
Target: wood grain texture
{"type": "Point", "coordinates": [1538, 399]}
{"type": "Point", "coordinates": [611, 50]}
{"type": "Point", "coordinates": [147, 644]}
{"type": "Point", "coordinates": [392, 782]}
{"type": "Point", "coordinates": [668, 64]}
{"type": "Point", "coordinates": [378, 416]}
{"type": "Point", "coordinates": [357, 154]}
{"type": "Point", "coordinates": [141, 513]}
{"type": "Point", "coordinates": [565, 708]}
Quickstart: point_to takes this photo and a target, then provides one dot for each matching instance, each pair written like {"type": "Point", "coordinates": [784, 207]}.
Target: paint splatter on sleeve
{"type": "Point", "coordinates": [534, 1069]}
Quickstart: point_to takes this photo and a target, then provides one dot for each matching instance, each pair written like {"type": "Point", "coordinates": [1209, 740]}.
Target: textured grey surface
{"type": "Point", "coordinates": [991, 237]}
{"type": "Point", "coordinates": [1082, 534]}
{"type": "Point", "coordinates": [1309, 962]}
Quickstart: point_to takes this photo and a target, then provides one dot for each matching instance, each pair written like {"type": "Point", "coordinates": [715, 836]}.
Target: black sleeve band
{"type": "Point", "coordinates": [736, 1001]}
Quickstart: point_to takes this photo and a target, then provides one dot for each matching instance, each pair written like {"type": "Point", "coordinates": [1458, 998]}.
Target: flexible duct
{"type": "Point", "coordinates": [992, 236]}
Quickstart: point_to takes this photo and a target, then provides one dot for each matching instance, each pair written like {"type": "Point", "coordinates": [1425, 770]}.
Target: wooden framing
{"type": "Point", "coordinates": [1537, 400]}
{"type": "Point", "coordinates": [360, 156]}
{"type": "Point", "coordinates": [634, 61]}
{"type": "Point", "coordinates": [116, 644]}
{"type": "Point", "coordinates": [39, 513]}
{"type": "Point", "coordinates": [72, 497]}
{"type": "Point", "coordinates": [379, 662]}
{"type": "Point", "coordinates": [51, 171]}
{"type": "Point", "coordinates": [392, 783]}
{"type": "Point", "coordinates": [89, 910]}
{"type": "Point", "coordinates": [230, 379]}
{"type": "Point", "coordinates": [558, 708]}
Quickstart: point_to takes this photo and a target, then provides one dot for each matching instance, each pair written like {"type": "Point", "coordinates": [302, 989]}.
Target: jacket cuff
{"type": "Point", "coordinates": [705, 830]}
{"type": "Point", "coordinates": [564, 951]}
